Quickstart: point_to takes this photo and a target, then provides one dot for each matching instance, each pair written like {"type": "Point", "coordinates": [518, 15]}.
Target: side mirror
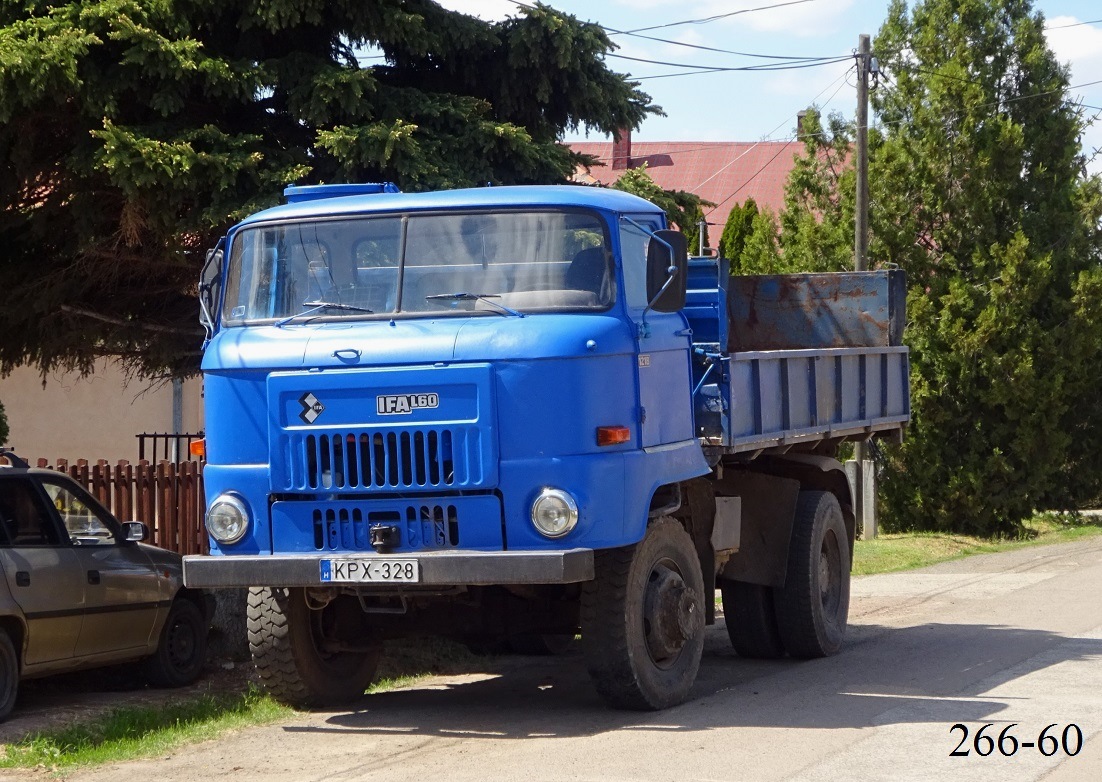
{"type": "Point", "coordinates": [210, 288]}
{"type": "Point", "coordinates": [667, 271]}
{"type": "Point", "coordinates": [134, 531]}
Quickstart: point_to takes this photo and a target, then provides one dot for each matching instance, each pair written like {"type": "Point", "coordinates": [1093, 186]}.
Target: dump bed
{"type": "Point", "coordinates": [789, 360]}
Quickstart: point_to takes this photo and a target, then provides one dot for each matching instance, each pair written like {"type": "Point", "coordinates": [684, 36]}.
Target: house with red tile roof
{"type": "Point", "coordinates": [723, 172]}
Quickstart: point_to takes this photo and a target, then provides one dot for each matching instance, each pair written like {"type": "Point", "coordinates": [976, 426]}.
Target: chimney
{"type": "Point", "coordinates": [800, 115]}
{"type": "Point", "coordinates": [621, 149]}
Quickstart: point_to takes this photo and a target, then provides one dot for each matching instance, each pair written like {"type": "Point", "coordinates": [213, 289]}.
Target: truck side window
{"type": "Point", "coordinates": [633, 252]}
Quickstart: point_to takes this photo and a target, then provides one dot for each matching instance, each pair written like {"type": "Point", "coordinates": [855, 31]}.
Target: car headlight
{"type": "Point", "coordinates": [227, 519]}
{"type": "Point", "coordinates": [554, 513]}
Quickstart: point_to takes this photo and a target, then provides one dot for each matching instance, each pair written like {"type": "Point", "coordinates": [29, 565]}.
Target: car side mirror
{"type": "Point", "coordinates": [667, 271]}
{"type": "Point", "coordinates": [134, 531]}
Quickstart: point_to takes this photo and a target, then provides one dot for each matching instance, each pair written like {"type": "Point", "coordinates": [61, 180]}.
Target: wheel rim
{"type": "Point", "coordinates": [318, 635]}
{"type": "Point", "coordinates": [181, 643]}
{"type": "Point", "coordinates": [671, 614]}
{"type": "Point", "coordinates": [830, 576]}
{"type": "Point", "coordinates": [327, 646]}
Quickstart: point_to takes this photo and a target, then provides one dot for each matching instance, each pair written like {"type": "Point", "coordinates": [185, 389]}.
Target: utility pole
{"type": "Point", "coordinates": [861, 234]}
{"type": "Point", "coordinates": [864, 501]}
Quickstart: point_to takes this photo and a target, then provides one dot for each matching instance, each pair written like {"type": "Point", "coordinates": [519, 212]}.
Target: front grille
{"type": "Point", "coordinates": [429, 458]}
{"type": "Point", "coordinates": [425, 526]}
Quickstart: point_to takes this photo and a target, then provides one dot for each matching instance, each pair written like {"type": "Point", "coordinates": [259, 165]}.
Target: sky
{"type": "Point", "coordinates": [762, 105]}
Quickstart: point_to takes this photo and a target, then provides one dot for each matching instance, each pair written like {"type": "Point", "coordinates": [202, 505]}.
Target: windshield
{"type": "Point", "coordinates": [501, 263]}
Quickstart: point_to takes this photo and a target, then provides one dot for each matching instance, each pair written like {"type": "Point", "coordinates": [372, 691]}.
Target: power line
{"type": "Point", "coordinates": [753, 145]}
{"type": "Point", "coordinates": [711, 48]}
{"type": "Point", "coordinates": [768, 163]}
{"type": "Point", "coordinates": [1076, 24]}
{"type": "Point", "coordinates": [707, 19]}
{"type": "Point", "coordinates": [726, 69]}
{"type": "Point", "coordinates": [947, 77]}
{"type": "Point", "coordinates": [613, 31]}
{"type": "Point", "coordinates": [670, 152]}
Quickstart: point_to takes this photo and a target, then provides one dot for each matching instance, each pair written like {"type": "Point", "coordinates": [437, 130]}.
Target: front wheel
{"type": "Point", "coordinates": [297, 650]}
{"type": "Point", "coordinates": [642, 619]}
{"type": "Point", "coordinates": [9, 675]}
{"type": "Point", "coordinates": [813, 606]}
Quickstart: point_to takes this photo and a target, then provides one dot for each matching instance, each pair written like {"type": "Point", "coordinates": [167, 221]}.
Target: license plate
{"type": "Point", "coordinates": [372, 571]}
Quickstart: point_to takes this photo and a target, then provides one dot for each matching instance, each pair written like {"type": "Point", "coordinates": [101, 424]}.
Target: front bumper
{"type": "Point", "coordinates": [438, 568]}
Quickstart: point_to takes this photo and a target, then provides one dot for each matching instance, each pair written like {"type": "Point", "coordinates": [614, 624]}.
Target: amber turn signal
{"type": "Point", "coordinates": [613, 435]}
{"type": "Point", "coordinates": [198, 448]}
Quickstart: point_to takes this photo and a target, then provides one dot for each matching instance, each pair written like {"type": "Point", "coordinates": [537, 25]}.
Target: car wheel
{"type": "Point", "coordinates": [182, 648]}
{"type": "Point", "coordinates": [9, 675]}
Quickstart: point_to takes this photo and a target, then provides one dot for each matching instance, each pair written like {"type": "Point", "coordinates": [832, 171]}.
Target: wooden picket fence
{"type": "Point", "coordinates": [167, 496]}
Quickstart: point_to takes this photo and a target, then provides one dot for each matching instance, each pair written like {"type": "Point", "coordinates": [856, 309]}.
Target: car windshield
{"type": "Point", "coordinates": [493, 264]}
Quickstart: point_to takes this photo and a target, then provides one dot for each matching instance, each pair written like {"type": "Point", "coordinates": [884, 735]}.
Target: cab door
{"type": "Point", "coordinates": [663, 365]}
{"type": "Point", "coordinates": [122, 591]}
{"type": "Point", "coordinates": [41, 570]}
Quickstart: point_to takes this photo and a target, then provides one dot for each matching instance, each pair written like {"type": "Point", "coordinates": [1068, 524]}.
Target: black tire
{"type": "Point", "coordinates": [813, 606]}
{"type": "Point", "coordinates": [181, 649]}
{"type": "Point", "coordinates": [543, 644]}
{"type": "Point", "coordinates": [751, 620]}
{"type": "Point", "coordinates": [642, 620]}
{"type": "Point", "coordinates": [285, 638]}
{"type": "Point", "coordinates": [9, 675]}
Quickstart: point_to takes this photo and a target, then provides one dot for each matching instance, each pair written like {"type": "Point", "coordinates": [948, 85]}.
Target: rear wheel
{"type": "Point", "coordinates": [813, 606]}
{"type": "Point", "coordinates": [9, 675]}
{"type": "Point", "coordinates": [751, 620]}
{"type": "Point", "coordinates": [643, 619]}
{"type": "Point", "coordinates": [181, 649]}
{"type": "Point", "coordinates": [296, 650]}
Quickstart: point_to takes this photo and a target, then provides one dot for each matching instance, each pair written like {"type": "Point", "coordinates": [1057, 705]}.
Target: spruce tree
{"type": "Point", "coordinates": [133, 132]}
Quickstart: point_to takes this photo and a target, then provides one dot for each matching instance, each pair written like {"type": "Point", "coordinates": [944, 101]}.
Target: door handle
{"type": "Point", "coordinates": [347, 354]}
{"type": "Point", "coordinates": [93, 577]}
{"type": "Point", "coordinates": [22, 578]}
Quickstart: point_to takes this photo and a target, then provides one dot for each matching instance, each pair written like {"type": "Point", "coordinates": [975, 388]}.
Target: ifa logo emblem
{"type": "Point", "coordinates": [311, 408]}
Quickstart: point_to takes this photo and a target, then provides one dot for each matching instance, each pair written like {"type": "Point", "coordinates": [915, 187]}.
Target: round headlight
{"type": "Point", "coordinates": [227, 519]}
{"type": "Point", "coordinates": [554, 513]}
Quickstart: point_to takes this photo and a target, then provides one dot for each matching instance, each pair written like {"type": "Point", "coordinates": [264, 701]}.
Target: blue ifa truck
{"type": "Point", "coordinates": [523, 414]}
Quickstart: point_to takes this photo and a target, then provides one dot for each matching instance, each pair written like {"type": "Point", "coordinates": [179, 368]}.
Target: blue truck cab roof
{"type": "Point", "coordinates": [513, 197]}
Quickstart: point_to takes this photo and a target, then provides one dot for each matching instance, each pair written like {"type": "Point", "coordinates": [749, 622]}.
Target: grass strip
{"type": "Point", "coordinates": [143, 731]}
{"type": "Point", "coordinates": [889, 553]}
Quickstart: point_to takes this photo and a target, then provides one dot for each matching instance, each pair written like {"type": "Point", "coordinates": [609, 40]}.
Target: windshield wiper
{"type": "Point", "coordinates": [316, 306]}
{"type": "Point", "coordinates": [486, 297]}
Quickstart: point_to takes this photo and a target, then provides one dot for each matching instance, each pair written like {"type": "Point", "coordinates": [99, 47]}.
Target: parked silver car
{"type": "Point", "coordinates": [79, 590]}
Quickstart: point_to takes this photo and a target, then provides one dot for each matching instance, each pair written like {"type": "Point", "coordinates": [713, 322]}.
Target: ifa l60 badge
{"type": "Point", "coordinates": [404, 404]}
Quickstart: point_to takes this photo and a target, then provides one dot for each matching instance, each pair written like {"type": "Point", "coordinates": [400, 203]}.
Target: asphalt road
{"type": "Point", "coordinates": [1005, 638]}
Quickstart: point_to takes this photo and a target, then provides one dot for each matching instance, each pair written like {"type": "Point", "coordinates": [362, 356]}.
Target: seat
{"type": "Point", "coordinates": [588, 272]}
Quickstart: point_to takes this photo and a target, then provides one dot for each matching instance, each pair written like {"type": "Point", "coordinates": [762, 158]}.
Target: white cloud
{"type": "Point", "coordinates": [1079, 46]}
